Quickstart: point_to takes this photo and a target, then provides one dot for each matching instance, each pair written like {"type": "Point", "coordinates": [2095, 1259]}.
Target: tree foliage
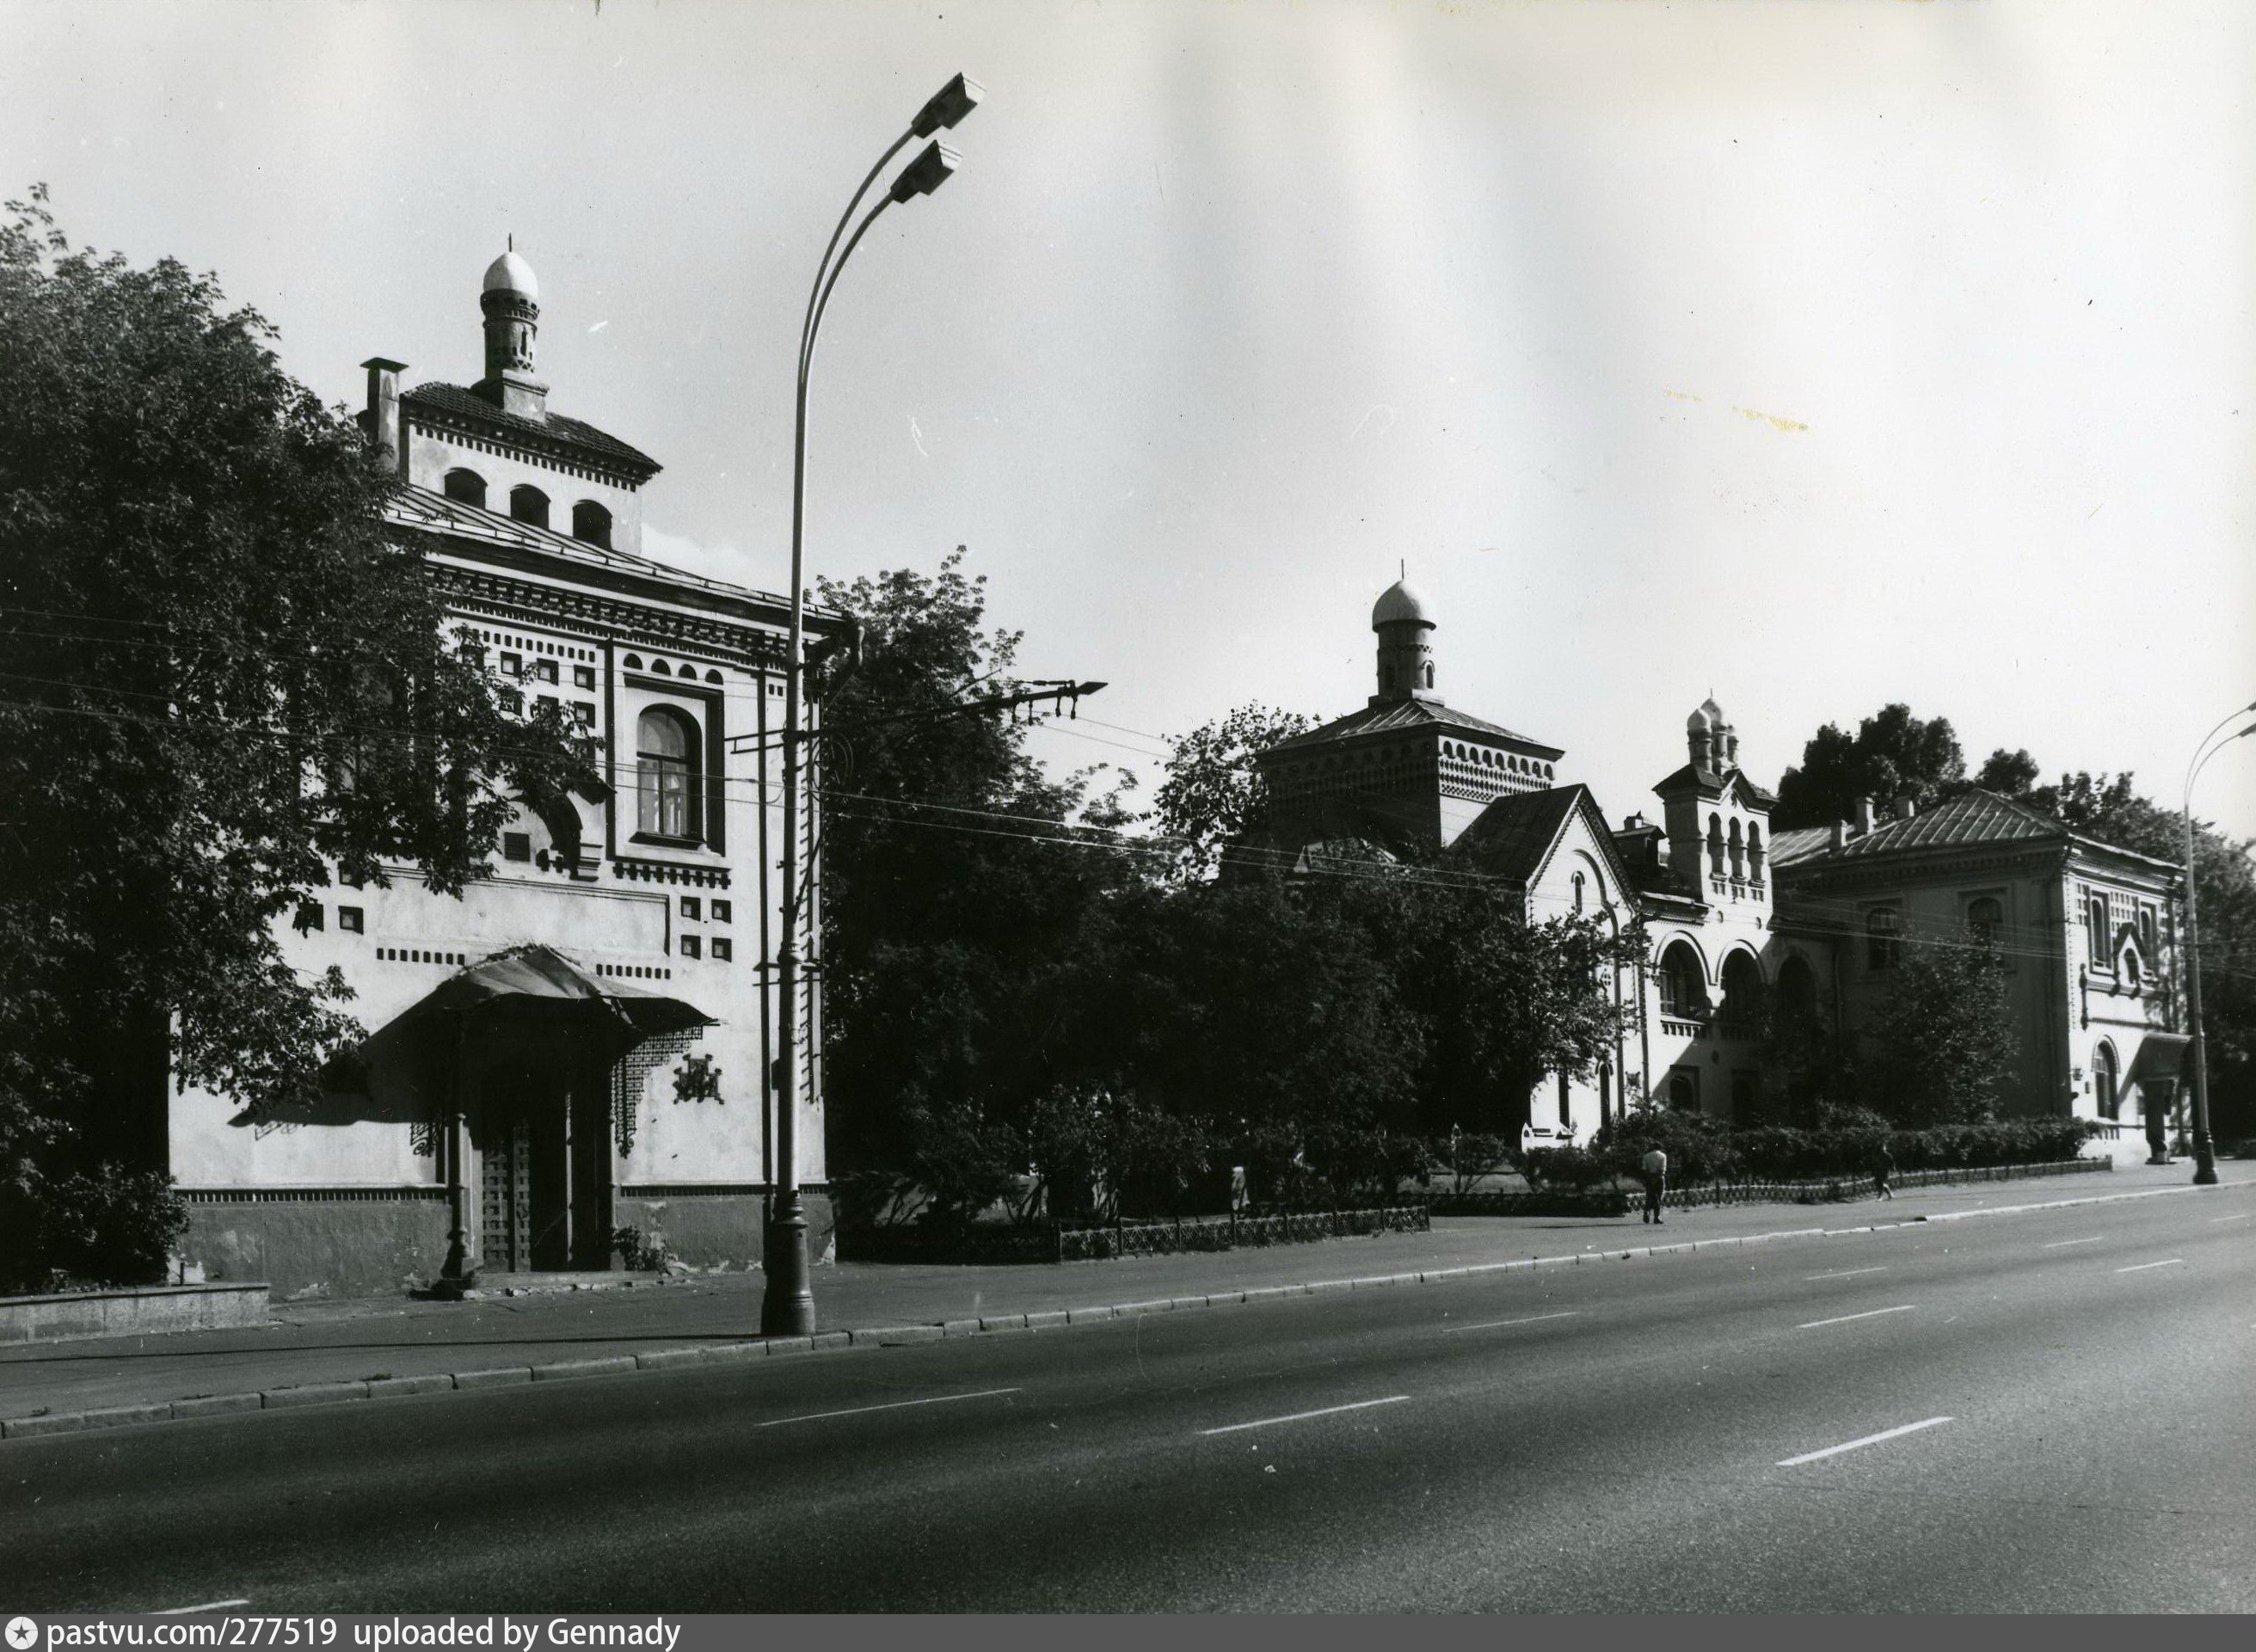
{"type": "Point", "coordinates": [1214, 794]}
{"type": "Point", "coordinates": [1941, 1047]}
{"type": "Point", "coordinates": [223, 679]}
{"type": "Point", "coordinates": [1891, 752]}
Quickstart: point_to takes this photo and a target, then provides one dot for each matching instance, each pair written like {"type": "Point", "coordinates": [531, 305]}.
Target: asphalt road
{"type": "Point", "coordinates": [2066, 1403]}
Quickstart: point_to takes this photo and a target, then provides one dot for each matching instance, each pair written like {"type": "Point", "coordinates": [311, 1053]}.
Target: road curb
{"type": "Point", "coordinates": [690, 1356]}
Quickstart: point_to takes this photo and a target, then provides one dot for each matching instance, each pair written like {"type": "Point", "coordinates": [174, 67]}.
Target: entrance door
{"type": "Point", "coordinates": [526, 1206]}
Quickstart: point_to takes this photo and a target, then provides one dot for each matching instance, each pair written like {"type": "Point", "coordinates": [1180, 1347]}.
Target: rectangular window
{"type": "Point", "coordinates": [584, 676]}
{"type": "Point", "coordinates": [690, 908]}
{"type": "Point", "coordinates": [512, 702]}
{"type": "Point", "coordinates": [516, 846]}
{"type": "Point", "coordinates": [348, 920]}
{"type": "Point", "coordinates": [1882, 929]}
{"type": "Point", "coordinates": [583, 714]}
{"type": "Point", "coordinates": [512, 665]}
{"type": "Point", "coordinates": [721, 950]}
{"type": "Point", "coordinates": [545, 669]}
{"type": "Point", "coordinates": [548, 700]}
{"type": "Point", "coordinates": [689, 946]}
{"type": "Point", "coordinates": [309, 916]}
{"type": "Point", "coordinates": [721, 911]}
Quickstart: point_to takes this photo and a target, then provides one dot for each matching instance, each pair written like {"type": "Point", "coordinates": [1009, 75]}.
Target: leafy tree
{"type": "Point", "coordinates": [1214, 794]}
{"type": "Point", "coordinates": [957, 887]}
{"type": "Point", "coordinates": [1891, 752]}
{"type": "Point", "coordinates": [222, 678]}
{"type": "Point", "coordinates": [1942, 1045]}
{"type": "Point", "coordinates": [2010, 774]}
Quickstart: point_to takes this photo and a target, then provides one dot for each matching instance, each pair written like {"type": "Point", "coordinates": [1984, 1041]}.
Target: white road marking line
{"type": "Point", "coordinates": [2057, 1243]}
{"type": "Point", "coordinates": [1499, 1324]}
{"type": "Point", "coordinates": [209, 1605]}
{"type": "Point", "coordinates": [1846, 1273]}
{"type": "Point", "coordinates": [1845, 1317]}
{"type": "Point", "coordinates": [2241, 1217]}
{"type": "Point", "coordinates": [2140, 1268]}
{"type": "Point", "coordinates": [1302, 1416]}
{"type": "Point", "coordinates": [1868, 1439]}
{"type": "Point", "coordinates": [896, 1405]}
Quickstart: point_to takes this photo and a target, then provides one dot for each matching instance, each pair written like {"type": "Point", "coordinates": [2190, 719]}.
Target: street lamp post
{"type": "Point", "coordinates": [2204, 1149]}
{"type": "Point", "coordinates": [787, 1309]}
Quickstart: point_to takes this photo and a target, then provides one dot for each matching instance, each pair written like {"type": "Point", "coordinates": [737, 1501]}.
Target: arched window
{"type": "Point", "coordinates": [592, 523]}
{"type": "Point", "coordinates": [1715, 845]}
{"type": "Point", "coordinates": [1738, 853]}
{"type": "Point", "coordinates": [2147, 938]}
{"type": "Point", "coordinates": [1883, 933]}
{"type": "Point", "coordinates": [1985, 915]}
{"type": "Point", "coordinates": [2104, 1082]}
{"type": "Point", "coordinates": [1754, 851]}
{"type": "Point", "coordinates": [666, 772]}
{"type": "Point", "coordinates": [1578, 891]}
{"type": "Point", "coordinates": [1796, 992]}
{"type": "Point", "coordinates": [529, 504]}
{"type": "Point", "coordinates": [467, 486]}
{"type": "Point", "coordinates": [1743, 992]}
{"type": "Point", "coordinates": [2127, 968]}
{"type": "Point", "coordinates": [1429, 673]}
{"type": "Point", "coordinates": [2095, 931]}
{"type": "Point", "coordinates": [1683, 983]}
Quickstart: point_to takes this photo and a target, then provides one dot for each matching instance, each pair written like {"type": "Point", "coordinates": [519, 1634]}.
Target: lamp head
{"type": "Point", "coordinates": [926, 173]}
{"type": "Point", "coordinates": [947, 106]}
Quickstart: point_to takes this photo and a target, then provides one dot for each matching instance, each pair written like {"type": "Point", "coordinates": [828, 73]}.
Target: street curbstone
{"type": "Point", "coordinates": [669, 1359]}
{"type": "Point", "coordinates": [822, 1341]}
{"type": "Point", "coordinates": [1004, 1322]}
{"type": "Point", "coordinates": [894, 1336]}
{"type": "Point", "coordinates": [17, 1428]}
{"type": "Point", "coordinates": [1078, 1316]}
{"type": "Point", "coordinates": [1318, 1285]}
{"type": "Point", "coordinates": [789, 1345]}
{"type": "Point", "coordinates": [1046, 1321]}
{"type": "Point", "coordinates": [501, 1376]}
{"type": "Point", "coordinates": [1156, 1306]}
{"type": "Point", "coordinates": [127, 1415]}
{"type": "Point", "coordinates": [1219, 1299]}
{"type": "Point", "coordinates": [223, 1404]}
{"type": "Point", "coordinates": [310, 1393]}
{"type": "Point", "coordinates": [565, 1370]}
{"type": "Point", "coordinates": [401, 1387]}
{"type": "Point", "coordinates": [959, 1327]}
{"type": "Point", "coordinates": [732, 1353]}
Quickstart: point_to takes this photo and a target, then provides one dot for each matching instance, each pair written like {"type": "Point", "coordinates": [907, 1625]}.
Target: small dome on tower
{"type": "Point", "coordinates": [1399, 603]}
{"type": "Point", "coordinates": [510, 273]}
{"type": "Point", "coordinates": [1699, 722]}
{"type": "Point", "coordinates": [1713, 713]}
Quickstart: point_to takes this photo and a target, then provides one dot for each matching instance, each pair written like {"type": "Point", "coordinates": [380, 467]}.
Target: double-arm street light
{"type": "Point", "coordinates": [2204, 1150]}
{"type": "Point", "coordinates": [788, 1306]}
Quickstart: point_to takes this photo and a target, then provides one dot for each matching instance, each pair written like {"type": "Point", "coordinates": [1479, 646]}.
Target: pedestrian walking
{"type": "Point", "coordinates": [1884, 1170]}
{"type": "Point", "coordinates": [1654, 1168]}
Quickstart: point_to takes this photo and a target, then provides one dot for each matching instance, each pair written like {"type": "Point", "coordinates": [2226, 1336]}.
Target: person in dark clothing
{"type": "Point", "coordinates": [1884, 1170]}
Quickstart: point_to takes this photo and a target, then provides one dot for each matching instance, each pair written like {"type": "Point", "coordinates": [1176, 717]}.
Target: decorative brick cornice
{"type": "Point", "coordinates": [504, 597]}
{"type": "Point", "coordinates": [696, 877]}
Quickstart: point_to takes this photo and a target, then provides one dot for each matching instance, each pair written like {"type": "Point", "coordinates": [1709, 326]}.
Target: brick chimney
{"type": "Point", "coordinates": [384, 433]}
{"type": "Point", "coordinates": [1840, 832]}
{"type": "Point", "coordinates": [1864, 817]}
{"type": "Point", "coordinates": [1906, 805]}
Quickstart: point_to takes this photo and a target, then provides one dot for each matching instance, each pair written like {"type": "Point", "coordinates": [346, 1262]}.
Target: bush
{"type": "Point", "coordinates": [1850, 1144]}
{"type": "Point", "coordinates": [1574, 1168]}
{"type": "Point", "coordinates": [107, 1227]}
{"type": "Point", "coordinates": [1700, 1149]}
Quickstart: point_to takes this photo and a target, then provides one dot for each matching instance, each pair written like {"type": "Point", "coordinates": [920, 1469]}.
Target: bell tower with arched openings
{"type": "Point", "coordinates": [511, 302]}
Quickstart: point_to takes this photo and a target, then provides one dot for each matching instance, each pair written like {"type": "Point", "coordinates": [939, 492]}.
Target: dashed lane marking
{"type": "Point", "coordinates": [895, 1405]}
{"type": "Point", "coordinates": [207, 1606]}
{"type": "Point", "coordinates": [1844, 1318]}
{"type": "Point", "coordinates": [1302, 1416]}
{"type": "Point", "coordinates": [2241, 1217]}
{"type": "Point", "coordinates": [2140, 1268]}
{"type": "Point", "coordinates": [1868, 1439]}
{"type": "Point", "coordinates": [1845, 1273]}
{"type": "Point", "coordinates": [2057, 1243]}
{"type": "Point", "coordinates": [1499, 1324]}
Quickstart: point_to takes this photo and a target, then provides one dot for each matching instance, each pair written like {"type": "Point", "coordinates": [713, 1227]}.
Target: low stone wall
{"type": "Point", "coordinates": [983, 1244]}
{"type": "Point", "coordinates": [318, 1243]}
{"type": "Point", "coordinates": [705, 1227]}
{"type": "Point", "coordinates": [143, 1310]}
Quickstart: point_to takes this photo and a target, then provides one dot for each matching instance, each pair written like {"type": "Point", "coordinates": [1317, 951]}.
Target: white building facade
{"type": "Point", "coordinates": [664, 884]}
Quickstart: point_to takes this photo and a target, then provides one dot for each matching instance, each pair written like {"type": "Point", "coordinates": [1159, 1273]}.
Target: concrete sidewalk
{"type": "Point", "coordinates": [389, 1339]}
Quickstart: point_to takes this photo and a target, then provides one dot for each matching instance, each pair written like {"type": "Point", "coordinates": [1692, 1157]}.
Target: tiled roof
{"type": "Point", "coordinates": [454, 400]}
{"type": "Point", "coordinates": [1711, 780]}
{"type": "Point", "coordinates": [1513, 835]}
{"type": "Point", "coordinates": [1406, 714]}
{"type": "Point", "coordinates": [420, 508]}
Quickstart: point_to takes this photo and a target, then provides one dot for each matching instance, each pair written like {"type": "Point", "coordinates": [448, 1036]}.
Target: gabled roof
{"type": "Point", "coordinates": [1515, 836]}
{"type": "Point", "coordinates": [1712, 783]}
{"type": "Point", "coordinates": [451, 401]}
{"type": "Point", "coordinates": [1974, 817]}
{"type": "Point", "coordinates": [1395, 714]}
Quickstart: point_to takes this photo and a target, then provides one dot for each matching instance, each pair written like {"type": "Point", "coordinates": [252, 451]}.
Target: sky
{"type": "Point", "coordinates": [1812, 357]}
